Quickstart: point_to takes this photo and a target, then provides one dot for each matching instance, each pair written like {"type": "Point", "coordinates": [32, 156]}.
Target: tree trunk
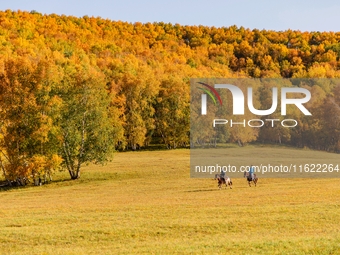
{"type": "Point", "coordinates": [75, 176]}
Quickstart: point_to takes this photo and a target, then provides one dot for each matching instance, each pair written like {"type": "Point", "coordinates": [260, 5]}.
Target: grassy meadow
{"type": "Point", "coordinates": [146, 203]}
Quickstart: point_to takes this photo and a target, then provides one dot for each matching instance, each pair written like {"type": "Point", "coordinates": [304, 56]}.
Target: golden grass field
{"type": "Point", "coordinates": [146, 203]}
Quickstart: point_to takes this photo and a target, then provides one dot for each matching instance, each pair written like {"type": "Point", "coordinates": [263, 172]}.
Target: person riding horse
{"type": "Point", "coordinates": [251, 176]}
{"type": "Point", "coordinates": [223, 179]}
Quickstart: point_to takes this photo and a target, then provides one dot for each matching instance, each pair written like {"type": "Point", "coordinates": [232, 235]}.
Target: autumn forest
{"type": "Point", "coordinates": [73, 90]}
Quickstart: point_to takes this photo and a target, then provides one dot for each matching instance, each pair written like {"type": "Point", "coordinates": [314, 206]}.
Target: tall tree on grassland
{"type": "Point", "coordinates": [29, 109]}
{"type": "Point", "coordinates": [87, 129]}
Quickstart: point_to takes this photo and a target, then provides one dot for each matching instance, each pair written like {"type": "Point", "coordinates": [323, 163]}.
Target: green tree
{"type": "Point", "coordinates": [87, 129]}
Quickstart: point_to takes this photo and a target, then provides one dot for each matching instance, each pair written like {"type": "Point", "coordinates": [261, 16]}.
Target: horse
{"type": "Point", "coordinates": [220, 181]}
{"type": "Point", "coordinates": [249, 179]}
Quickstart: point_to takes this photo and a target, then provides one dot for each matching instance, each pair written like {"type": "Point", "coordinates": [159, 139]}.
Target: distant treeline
{"type": "Point", "coordinates": [73, 89]}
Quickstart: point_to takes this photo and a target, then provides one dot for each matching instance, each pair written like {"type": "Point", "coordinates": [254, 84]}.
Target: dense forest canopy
{"type": "Point", "coordinates": [74, 89]}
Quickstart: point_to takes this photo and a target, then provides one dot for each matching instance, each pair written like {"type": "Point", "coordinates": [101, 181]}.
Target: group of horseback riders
{"type": "Point", "coordinates": [250, 173]}
{"type": "Point", "coordinates": [223, 179]}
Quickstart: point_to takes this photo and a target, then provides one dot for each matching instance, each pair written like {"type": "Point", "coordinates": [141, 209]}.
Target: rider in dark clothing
{"type": "Point", "coordinates": [251, 172]}
{"type": "Point", "coordinates": [222, 175]}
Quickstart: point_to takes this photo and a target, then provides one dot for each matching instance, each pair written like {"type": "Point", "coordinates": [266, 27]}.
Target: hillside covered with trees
{"type": "Point", "coordinates": [72, 89]}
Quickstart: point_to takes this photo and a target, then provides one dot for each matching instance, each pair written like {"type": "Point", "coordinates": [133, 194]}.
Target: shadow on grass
{"type": "Point", "coordinates": [64, 181]}
{"type": "Point", "coordinates": [154, 147]}
{"type": "Point", "coordinates": [87, 177]}
{"type": "Point", "coordinates": [203, 190]}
